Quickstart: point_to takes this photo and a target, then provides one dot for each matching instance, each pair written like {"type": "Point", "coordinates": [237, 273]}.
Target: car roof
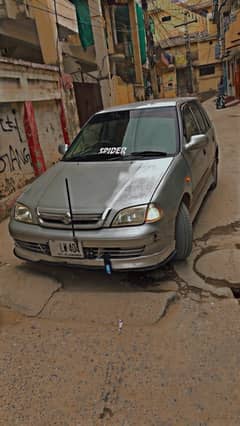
{"type": "Point", "coordinates": [156, 103]}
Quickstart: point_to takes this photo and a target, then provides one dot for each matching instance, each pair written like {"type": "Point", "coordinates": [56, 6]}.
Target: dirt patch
{"type": "Point", "coordinates": [9, 317]}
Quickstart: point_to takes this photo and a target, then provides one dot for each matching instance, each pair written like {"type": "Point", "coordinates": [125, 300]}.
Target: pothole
{"type": "Point", "coordinates": [220, 230]}
{"type": "Point", "coordinates": [153, 278]}
{"type": "Point", "coordinates": [236, 292]}
{"type": "Point", "coordinates": [219, 266]}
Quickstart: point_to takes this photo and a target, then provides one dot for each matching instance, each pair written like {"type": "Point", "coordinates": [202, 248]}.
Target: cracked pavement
{"type": "Point", "coordinates": [63, 360]}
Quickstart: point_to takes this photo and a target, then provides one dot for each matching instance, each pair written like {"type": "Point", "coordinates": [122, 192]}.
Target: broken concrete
{"type": "Point", "coordinates": [221, 264]}
{"type": "Point", "coordinates": [186, 273]}
{"type": "Point", "coordinates": [163, 286]}
{"type": "Point", "coordinates": [26, 292]}
{"type": "Point", "coordinates": [133, 308]}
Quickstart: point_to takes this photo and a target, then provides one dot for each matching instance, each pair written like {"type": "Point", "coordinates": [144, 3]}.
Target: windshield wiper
{"type": "Point", "coordinates": [149, 153]}
{"type": "Point", "coordinates": [87, 157]}
{"type": "Point", "coordinates": [92, 157]}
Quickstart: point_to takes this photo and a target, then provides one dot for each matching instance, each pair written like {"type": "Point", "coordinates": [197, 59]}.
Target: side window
{"type": "Point", "coordinates": [205, 117]}
{"type": "Point", "coordinates": [198, 116]}
{"type": "Point", "coordinates": [190, 126]}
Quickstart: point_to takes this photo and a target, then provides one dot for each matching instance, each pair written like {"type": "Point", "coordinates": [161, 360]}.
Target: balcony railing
{"type": "Point", "coordinates": [63, 9]}
{"type": "Point", "coordinates": [12, 9]}
{"type": "Point", "coordinates": [66, 14]}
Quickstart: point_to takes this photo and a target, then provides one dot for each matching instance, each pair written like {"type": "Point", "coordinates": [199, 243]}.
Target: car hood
{"type": "Point", "coordinates": [97, 186]}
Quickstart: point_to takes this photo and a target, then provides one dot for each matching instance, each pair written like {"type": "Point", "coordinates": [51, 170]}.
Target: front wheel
{"type": "Point", "coordinates": [183, 233]}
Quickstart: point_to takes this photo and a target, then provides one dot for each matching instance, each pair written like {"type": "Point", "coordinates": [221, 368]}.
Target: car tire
{"type": "Point", "coordinates": [214, 175]}
{"type": "Point", "coordinates": [183, 233]}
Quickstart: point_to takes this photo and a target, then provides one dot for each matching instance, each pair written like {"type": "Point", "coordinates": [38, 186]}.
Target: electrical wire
{"type": "Point", "coordinates": [164, 29]}
{"type": "Point", "coordinates": [167, 30]}
{"type": "Point", "coordinates": [181, 8]}
{"type": "Point", "coordinates": [57, 40]}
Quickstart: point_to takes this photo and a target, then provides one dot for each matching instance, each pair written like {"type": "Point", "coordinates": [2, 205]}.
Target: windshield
{"type": "Point", "coordinates": [127, 134]}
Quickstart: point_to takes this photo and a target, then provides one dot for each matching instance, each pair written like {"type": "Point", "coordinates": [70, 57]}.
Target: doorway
{"type": "Point", "coordinates": [88, 99]}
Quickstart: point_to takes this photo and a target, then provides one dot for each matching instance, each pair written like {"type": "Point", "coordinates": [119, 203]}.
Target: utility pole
{"type": "Point", "coordinates": [136, 44]}
{"type": "Point", "coordinates": [150, 50]}
{"type": "Point", "coordinates": [102, 58]}
{"type": "Point", "coordinates": [188, 49]}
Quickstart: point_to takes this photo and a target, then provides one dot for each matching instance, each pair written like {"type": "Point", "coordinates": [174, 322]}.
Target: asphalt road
{"type": "Point", "coordinates": [175, 361]}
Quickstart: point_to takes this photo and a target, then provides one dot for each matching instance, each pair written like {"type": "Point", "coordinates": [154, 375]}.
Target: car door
{"type": "Point", "coordinates": [197, 158]}
{"type": "Point", "coordinates": [206, 129]}
{"type": "Point", "coordinates": [213, 147]}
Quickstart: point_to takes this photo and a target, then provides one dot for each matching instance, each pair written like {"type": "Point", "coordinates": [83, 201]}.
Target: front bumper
{"type": "Point", "coordinates": [152, 248]}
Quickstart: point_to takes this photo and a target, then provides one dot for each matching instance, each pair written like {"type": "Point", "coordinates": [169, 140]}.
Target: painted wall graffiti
{"type": "Point", "coordinates": [14, 157]}
{"type": "Point", "coordinates": [8, 125]}
{"type": "Point", "coordinates": [15, 160]}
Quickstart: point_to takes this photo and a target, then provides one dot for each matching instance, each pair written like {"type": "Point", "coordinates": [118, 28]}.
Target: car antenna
{"type": "Point", "coordinates": [70, 208]}
{"type": "Point", "coordinates": [106, 258]}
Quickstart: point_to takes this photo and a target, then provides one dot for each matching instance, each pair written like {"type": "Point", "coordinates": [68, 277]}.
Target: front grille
{"type": "Point", "coordinates": [62, 220]}
{"type": "Point", "coordinates": [89, 252]}
{"type": "Point", "coordinates": [36, 247]}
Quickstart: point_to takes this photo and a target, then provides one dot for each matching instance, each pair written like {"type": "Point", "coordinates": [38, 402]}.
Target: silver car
{"type": "Point", "coordinates": [126, 191]}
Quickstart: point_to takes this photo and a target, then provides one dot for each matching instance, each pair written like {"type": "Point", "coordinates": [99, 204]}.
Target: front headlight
{"type": "Point", "coordinates": [22, 213]}
{"type": "Point", "coordinates": [138, 215]}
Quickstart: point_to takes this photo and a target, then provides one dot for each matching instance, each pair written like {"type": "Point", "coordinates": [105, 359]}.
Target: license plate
{"type": "Point", "coordinates": [66, 248]}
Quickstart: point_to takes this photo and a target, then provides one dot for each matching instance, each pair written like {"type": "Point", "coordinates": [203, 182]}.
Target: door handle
{"type": "Point", "coordinates": [204, 151]}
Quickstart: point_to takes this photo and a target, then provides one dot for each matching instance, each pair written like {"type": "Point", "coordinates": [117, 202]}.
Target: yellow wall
{"type": "Point", "coordinates": [212, 28]}
{"type": "Point", "coordinates": [209, 82]}
{"type": "Point", "coordinates": [233, 32]}
{"type": "Point", "coordinates": [206, 52]}
{"type": "Point", "coordinates": [160, 8]}
{"type": "Point", "coordinates": [169, 84]}
{"type": "Point", "coordinates": [178, 50]}
{"type": "Point", "coordinates": [123, 93]}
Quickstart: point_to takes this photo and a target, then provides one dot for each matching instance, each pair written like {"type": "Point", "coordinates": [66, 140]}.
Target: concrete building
{"type": "Point", "coordinates": [126, 40]}
{"type": "Point", "coordinates": [232, 46]}
{"type": "Point", "coordinates": [40, 52]}
{"type": "Point", "coordinates": [188, 40]}
{"type": "Point", "coordinates": [56, 69]}
{"type": "Point", "coordinates": [226, 15]}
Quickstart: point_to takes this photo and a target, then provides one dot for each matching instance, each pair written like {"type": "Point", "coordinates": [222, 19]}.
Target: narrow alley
{"type": "Point", "coordinates": [161, 348]}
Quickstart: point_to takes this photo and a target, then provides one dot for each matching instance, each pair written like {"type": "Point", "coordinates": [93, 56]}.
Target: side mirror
{"type": "Point", "coordinates": [62, 148]}
{"type": "Point", "coordinates": [197, 142]}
